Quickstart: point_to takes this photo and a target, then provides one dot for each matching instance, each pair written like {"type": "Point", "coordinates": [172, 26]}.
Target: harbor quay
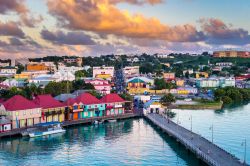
{"type": "Point", "coordinates": [19, 131]}
{"type": "Point", "coordinates": [205, 150]}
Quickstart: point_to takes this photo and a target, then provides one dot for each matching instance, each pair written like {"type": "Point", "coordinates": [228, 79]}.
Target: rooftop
{"type": "Point", "coordinates": [47, 101]}
{"type": "Point", "coordinates": [112, 98]}
{"type": "Point", "coordinates": [19, 102]}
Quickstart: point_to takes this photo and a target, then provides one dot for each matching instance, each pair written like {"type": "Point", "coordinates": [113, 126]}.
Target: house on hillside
{"type": "Point", "coordinates": [102, 86]}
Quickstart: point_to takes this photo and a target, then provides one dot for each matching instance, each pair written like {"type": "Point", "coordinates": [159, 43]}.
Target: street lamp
{"type": "Point", "coordinates": [244, 143]}
{"type": "Point", "coordinates": [191, 121]}
{"type": "Point", "coordinates": [212, 129]}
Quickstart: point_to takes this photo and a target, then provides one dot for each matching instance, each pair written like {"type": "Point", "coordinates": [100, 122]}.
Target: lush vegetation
{"type": "Point", "coordinates": [167, 99]}
{"type": "Point", "coordinates": [160, 83]}
{"type": "Point", "coordinates": [231, 95]}
{"type": "Point", "coordinates": [53, 88]}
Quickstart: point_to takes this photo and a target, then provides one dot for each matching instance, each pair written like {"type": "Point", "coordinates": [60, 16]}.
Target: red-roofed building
{"type": "Point", "coordinates": [21, 111]}
{"type": "Point", "coordinates": [84, 106]}
{"type": "Point", "coordinates": [102, 86]}
{"type": "Point", "coordinates": [115, 105]}
{"type": "Point", "coordinates": [52, 110]}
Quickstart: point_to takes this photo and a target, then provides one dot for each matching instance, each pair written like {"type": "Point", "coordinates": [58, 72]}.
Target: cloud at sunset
{"type": "Point", "coordinates": [95, 27]}
{"type": "Point", "coordinates": [70, 38]}
{"type": "Point", "coordinates": [104, 17]}
{"type": "Point", "coordinates": [11, 29]}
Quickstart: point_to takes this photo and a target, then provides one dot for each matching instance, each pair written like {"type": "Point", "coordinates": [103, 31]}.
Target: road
{"type": "Point", "coordinates": [120, 81]}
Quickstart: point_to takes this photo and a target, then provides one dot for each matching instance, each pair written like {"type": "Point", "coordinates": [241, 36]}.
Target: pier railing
{"type": "Point", "coordinates": [204, 149]}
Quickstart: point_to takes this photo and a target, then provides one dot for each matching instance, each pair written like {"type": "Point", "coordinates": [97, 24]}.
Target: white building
{"type": "Point", "coordinates": [8, 70]}
{"type": "Point", "coordinates": [71, 69]}
{"type": "Point", "coordinates": [13, 83]}
{"type": "Point", "coordinates": [131, 70]}
{"type": "Point", "coordinates": [215, 82]}
{"type": "Point", "coordinates": [103, 70]}
{"type": "Point", "coordinates": [64, 76]}
{"type": "Point", "coordinates": [224, 64]}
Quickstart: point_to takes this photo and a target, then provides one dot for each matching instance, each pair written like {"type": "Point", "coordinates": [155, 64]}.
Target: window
{"type": "Point", "coordinates": [31, 112]}
{"type": "Point", "coordinates": [38, 111]}
{"type": "Point", "coordinates": [17, 113]}
{"type": "Point", "coordinates": [24, 112]}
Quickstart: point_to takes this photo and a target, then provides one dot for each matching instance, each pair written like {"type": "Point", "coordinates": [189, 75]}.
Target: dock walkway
{"type": "Point", "coordinates": [208, 152]}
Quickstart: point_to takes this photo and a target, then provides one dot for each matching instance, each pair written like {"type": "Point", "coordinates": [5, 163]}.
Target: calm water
{"type": "Point", "coordinates": [129, 142]}
{"type": "Point", "coordinates": [231, 127]}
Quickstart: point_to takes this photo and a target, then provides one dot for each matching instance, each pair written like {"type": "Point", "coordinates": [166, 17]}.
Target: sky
{"type": "Point", "coordinates": [37, 28]}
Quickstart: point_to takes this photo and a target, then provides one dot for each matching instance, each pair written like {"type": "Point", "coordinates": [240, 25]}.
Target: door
{"type": "Point", "coordinates": [75, 116]}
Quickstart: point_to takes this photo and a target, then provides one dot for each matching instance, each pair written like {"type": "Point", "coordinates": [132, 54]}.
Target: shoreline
{"type": "Point", "coordinates": [203, 106]}
{"type": "Point", "coordinates": [18, 132]}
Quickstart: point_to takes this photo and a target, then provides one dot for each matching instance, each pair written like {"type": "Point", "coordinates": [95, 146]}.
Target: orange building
{"type": "Point", "coordinates": [36, 67]}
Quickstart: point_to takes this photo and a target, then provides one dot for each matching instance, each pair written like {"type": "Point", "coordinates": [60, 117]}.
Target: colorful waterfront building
{"type": "Point", "coordinates": [84, 106]}
{"type": "Point", "coordinates": [21, 112]}
{"type": "Point", "coordinates": [52, 110]}
{"type": "Point", "coordinates": [115, 105]}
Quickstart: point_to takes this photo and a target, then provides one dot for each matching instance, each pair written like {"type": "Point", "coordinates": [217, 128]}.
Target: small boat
{"type": "Point", "coordinates": [97, 122]}
{"type": "Point", "coordinates": [48, 128]}
{"type": "Point", "coordinates": [112, 120]}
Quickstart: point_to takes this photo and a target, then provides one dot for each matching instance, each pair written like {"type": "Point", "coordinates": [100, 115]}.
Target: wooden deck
{"type": "Point", "coordinates": [205, 150]}
{"type": "Point", "coordinates": [16, 132]}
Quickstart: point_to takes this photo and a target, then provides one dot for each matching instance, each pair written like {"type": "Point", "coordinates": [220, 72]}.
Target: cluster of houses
{"type": "Point", "coordinates": [19, 112]}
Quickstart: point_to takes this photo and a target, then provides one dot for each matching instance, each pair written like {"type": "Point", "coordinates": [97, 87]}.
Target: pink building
{"type": "Point", "coordinates": [115, 105]}
{"type": "Point", "coordinates": [102, 86]}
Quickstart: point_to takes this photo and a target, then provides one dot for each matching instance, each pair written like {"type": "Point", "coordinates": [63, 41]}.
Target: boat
{"type": "Point", "coordinates": [112, 120]}
{"type": "Point", "coordinates": [97, 122]}
{"type": "Point", "coordinates": [48, 128]}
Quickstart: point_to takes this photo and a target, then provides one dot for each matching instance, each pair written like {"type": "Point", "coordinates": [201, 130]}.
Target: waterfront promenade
{"type": "Point", "coordinates": [208, 152]}
{"type": "Point", "coordinates": [19, 131]}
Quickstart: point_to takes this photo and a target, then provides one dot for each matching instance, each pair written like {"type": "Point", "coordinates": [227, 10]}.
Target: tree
{"type": "Point", "coordinates": [160, 84]}
{"type": "Point", "coordinates": [20, 69]}
{"type": "Point", "coordinates": [167, 99]}
{"type": "Point", "coordinates": [126, 96]}
{"type": "Point", "coordinates": [57, 88]}
{"type": "Point", "coordinates": [227, 100]}
{"type": "Point", "coordinates": [79, 74]}
{"type": "Point", "coordinates": [96, 94]}
{"type": "Point", "coordinates": [218, 94]}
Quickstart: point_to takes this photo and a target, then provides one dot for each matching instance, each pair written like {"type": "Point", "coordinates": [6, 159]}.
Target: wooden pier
{"type": "Point", "coordinates": [16, 132]}
{"type": "Point", "coordinates": [205, 150]}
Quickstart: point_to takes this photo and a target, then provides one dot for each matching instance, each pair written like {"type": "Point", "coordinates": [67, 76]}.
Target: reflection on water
{"type": "Point", "coordinates": [129, 142]}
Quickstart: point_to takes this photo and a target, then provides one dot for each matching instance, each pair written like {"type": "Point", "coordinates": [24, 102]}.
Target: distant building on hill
{"type": "Point", "coordinates": [77, 60]}
{"type": "Point", "coordinates": [231, 54]}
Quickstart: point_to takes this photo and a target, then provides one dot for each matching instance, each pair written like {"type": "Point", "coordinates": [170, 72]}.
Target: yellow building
{"type": "Point", "coordinates": [104, 76]}
{"type": "Point", "coordinates": [201, 74]}
{"type": "Point", "coordinates": [180, 82]}
{"type": "Point", "coordinates": [23, 76]}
